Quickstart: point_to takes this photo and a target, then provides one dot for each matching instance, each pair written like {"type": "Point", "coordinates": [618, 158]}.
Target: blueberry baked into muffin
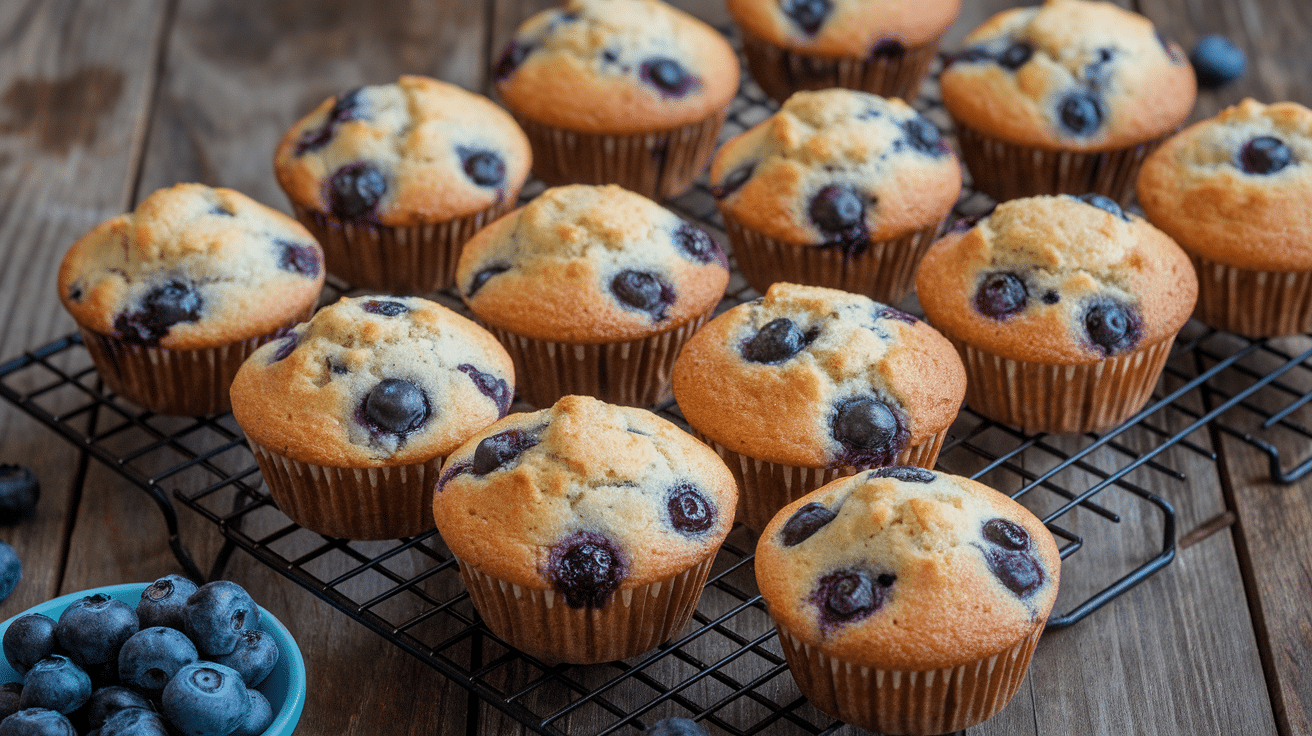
{"type": "Point", "coordinates": [351, 415]}
{"type": "Point", "coordinates": [172, 297]}
{"type": "Point", "coordinates": [807, 384]}
{"type": "Point", "coordinates": [628, 92]}
{"type": "Point", "coordinates": [584, 532]}
{"type": "Point", "coordinates": [593, 290]}
{"type": "Point", "coordinates": [1235, 192]}
{"type": "Point", "coordinates": [880, 46]}
{"type": "Point", "coordinates": [1068, 97]}
{"type": "Point", "coordinates": [1063, 308]}
{"type": "Point", "coordinates": [908, 601]}
{"type": "Point", "coordinates": [839, 188]}
{"type": "Point", "coordinates": [394, 178]}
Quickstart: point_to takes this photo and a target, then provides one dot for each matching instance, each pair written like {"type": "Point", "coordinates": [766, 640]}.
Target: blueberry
{"type": "Point", "coordinates": [76, 291]}
{"type": "Point", "coordinates": [883, 311]}
{"type": "Point", "coordinates": [345, 107]}
{"type": "Point", "coordinates": [258, 717]}
{"type": "Point", "coordinates": [1016, 55]}
{"type": "Point", "coordinates": [869, 431]}
{"type": "Point", "coordinates": [1112, 327]}
{"type": "Point", "coordinates": [152, 657]}
{"type": "Point", "coordinates": [385, 308]}
{"type": "Point", "coordinates": [776, 342]}
{"type": "Point", "coordinates": [667, 75]}
{"type": "Point", "coordinates": [28, 640]}
{"type": "Point", "coordinates": [10, 695]}
{"type": "Point", "coordinates": [808, 14]}
{"type": "Point", "coordinates": [1080, 113]}
{"type": "Point", "coordinates": [1264, 155]}
{"type": "Point", "coordinates": [482, 277]}
{"type": "Point", "coordinates": [37, 722]}
{"type": "Point", "coordinates": [1106, 204]}
{"type": "Point", "coordinates": [1096, 70]}
{"type": "Point", "coordinates": [694, 243]}
{"type": "Point", "coordinates": [586, 568]}
{"type": "Point", "coordinates": [497, 450]}
{"type": "Point", "coordinates": [923, 135]}
{"type": "Point", "coordinates": [205, 699]}
{"type": "Point", "coordinates": [285, 348]}
{"type": "Point", "coordinates": [675, 727]}
{"type": "Point", "coordinates": [135, 722]}
{"type": "Point", "coordinates": [55, 683]}
{"type": "Point", "coordinates": [162, 307]}
{"type": "Point", "coordinates": [19, 492]}
{"type": "Point", "coordinates": [93, 629]}
{"type": "Point", "coordinates": [513, 55]}
{"type": "Point", "coordinates": [805, 522]}
{"type": "Point", "coordinates": [733, 181]}
{"type": "Point", "coordinates": [11, 570]}
{"type": "Point", "coordinates": [969, 221]}
{"type": "Point", "coordinates": [1001, 295]}
{"type": "Point", "coordinates": [396, 406]}
{"type": "Point", "coordinates": [217, 613]}
{"type": "Point", "coordinates": [1006, 534]}
{"type": "Point", "coordinates": [642, 291]}
{"type": "Point", "coordinates": [1217, 61]}
{"type": "Point", "coordinates": [355, 189]}
{"type": "Point", "coordinates": [1018, 571]}
{"type": "Point", "coordinates": [849, 595]}
{"type": "Point", "coordinates": [905, 473]}
{"type": "Point", "coordinates": [107, 701]}
{"type": "Point", "coordinates": [690, 511]}
{"type": "Point", "coordinates": [1051, 297]}
{"type": "Point", "coordinates": [838, 211]}
{"type": "Point", "coordinates": [254, 658]}
{"type": "Point", "coordinates": [490, 386]}
{"type": "Point", "coordinates": [484, 168]}
{"type": "Point", "coordinates": [298, 258]}
{"type": "Point", "coordinates": [888, 48]}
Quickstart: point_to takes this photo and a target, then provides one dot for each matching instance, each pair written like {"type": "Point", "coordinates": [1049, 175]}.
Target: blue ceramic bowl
{"type": "Point", "coordinates": [284, 687]}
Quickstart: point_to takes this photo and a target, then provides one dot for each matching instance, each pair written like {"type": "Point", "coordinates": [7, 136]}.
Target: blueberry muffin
{"type": "Point", "coordinates": [394, 178]}
{"type": "Point", "coordinates": [908, 601]}
{"type": "Point", "coordinates": [1235, 192]}
{"type": "Point", "coordinates": [1063, 308]}
{"type": "Point", "coordinates": [172, 297]}
{"type": "Point", "coordinates": [593, 290]}
{"type": "Point", "coordinates": [584, 532]}
{"type": "Point", "coordinates": [351, 415]}
{"type": "Point", "coordinates": [880, 46]}
{"type": "Point", "coordinates": [628, 92]}
{"type": "Point", "coordinates": [1069, 97]}
{"type": "Point", "coordinates": [808, 384]}
{"type": "Point", "coordinates": [839, 188]}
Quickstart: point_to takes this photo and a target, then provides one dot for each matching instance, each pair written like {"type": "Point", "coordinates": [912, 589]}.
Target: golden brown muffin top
{"type": "Point", "coordinates": [845, 27]}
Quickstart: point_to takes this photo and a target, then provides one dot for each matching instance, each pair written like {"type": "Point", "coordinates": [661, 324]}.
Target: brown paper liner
{"type": "Point", "coordinates": [416, 258]}
{"type": "Point", "coordinates": [353, 503]}
{"type": "Point", "coordinates": [1253, 303]}
{"type": "Point", "coordinates": [885, 271]}
{"type": "Point", "coordinates": [1066, 399]}
{"type": "Point", "coordinates": [629, 622]}
{"type": "Point", "coordinates": [1006, 170]}
{"type": "Point", "coordinates": [765, 487]}
{"type": "Point", "coordinates": [780, 72]}
{"type": "Point", "coordinates": [658, 165]}
{"type": "Point", "coordinates": [907, 702]}
{"type": "Point", "coordinates": [631, 373]}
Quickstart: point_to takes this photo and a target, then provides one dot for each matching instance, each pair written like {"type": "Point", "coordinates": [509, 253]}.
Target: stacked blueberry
{"type": "Point", "coordinates": [186, 660]}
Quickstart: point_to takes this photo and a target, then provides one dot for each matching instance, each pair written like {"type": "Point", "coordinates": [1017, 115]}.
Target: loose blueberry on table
{"type": "Point", "coordinates": [690, 511]}
{"type": "Point", "coordinates": [1217, 61]}
{"type": "Point", "coordinates": [586, 567]}
{"type": "Point", "coordinates": [19, 492]}
{"type": "Point", "coordinates": [11, 570]}
{"type": "Point", "coordinates": [804, 523]}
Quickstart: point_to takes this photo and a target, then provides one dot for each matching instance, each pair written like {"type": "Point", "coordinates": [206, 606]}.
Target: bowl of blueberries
{"type": "Point", "coordinates": [163, 658]}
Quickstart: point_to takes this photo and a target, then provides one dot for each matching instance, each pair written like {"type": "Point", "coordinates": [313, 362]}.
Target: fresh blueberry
{"type": "Point", "coordinates": [1106, 204]}
{"type": "Point", "coordinates": [1264, 155]}
{"type": "Point", "coordinates": [840, 213]}
{"type": "Point", "coordinates": [805, 522]}
{"type": "Point", "coordinates": [696, 244]}
{"type": "Point", "coordinates": [107, 701]}
{"type": "Point", "coordinates": [345, 107]}
{"type": "Point", "coordinates": [37, 722]}
{"type": "Point", "coordinates": [28, 640]}
{"type": "Point", "coordinates": [905, 473]}
{"type": "Point", "coordinates": [675, 727]}
{"type": "Point", "coordinates": [807, 14]}
{"type": "Point", "coordinates": [1001, 295]}
{"type": "Point", "coordinates": [1016, 55]}
{"type": "Point", "coordinates": [217, 613]}
{"type": "Point", "coordinates": [777, 341]}
{"type": "Point", "coordinates": [869, 431]}
{"type": "Point", "coordinates": [490, 386]}
{"type": "Point", "coordinates": [1006, 534]}
{"type": "Point", "coordinates": [643, 291]}
{"type": "Point", "coordinates": [162, 307]}
{"type": "Point", "coordinates": [690, 511]}
{"type": "Point", "coordinates": [1018, 571]}
{"type": "Point", "coordinates": [93, 629]}
{"type": "Point", "coordinates": [135, 722]}
{"type": "Point", "coordinates": [667, 75]}
{"type": "Point", "coordinates": [482, 277]}
{"type": "Point", "coordinates": [513, 55]}
{"type": "Point", "coordinates": [205, 699]}
{"type": "Point", "coordinates": [1080, 113]}
{"type": "Point", "coordinates": [396, 406]}
{"type": "Point", "coordinates": [11, 570]}
{"type": "Point", "coordinates": [258, 717]}
{"type": "Point", "coordinates": [923, 135]}
{"type": "Point", "coordinates": [19, 492]}
{"type": "Point", "coordinates": [849, 595]}
{"type": "Point", "coordinates": [55, 683]}
{"type": "Point", "coordinates": [152, 657]}
{"type": "Point", "coordinates": [484, 168]}
{"type": "Point", "coordinates": [10, 695]}
{"type": "Point", "coordinates": [1217, 61]}
{"type": "Point", "coordinates": [298, 258]}
{"type": "Point", "coordinates": [888, 48]}
{"type": "Point", "coordinates": [355, 189]}
{"type": "Point", "coordinates": [586, 567]}
{"type": "Point", "coordinates": [255, 656]}
{"type": "Point", "coordinates": [497, 450]}
{"type": "Point", "coordinates": [286, 347]}
{"type": "Point", "coordinates": [384, 308]}
{"type": "Point", "coordinates": [733, 181]}
{"type": "Point", "coordinates": [1112, 327]}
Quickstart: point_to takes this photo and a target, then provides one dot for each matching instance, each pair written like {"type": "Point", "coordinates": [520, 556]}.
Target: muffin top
{"type": "Point", "coordinates": [1237, 188]}
{"type": "Point", "coordinates": [1071, 74]}
{"type": "Point", "coordinates": [846, 27]}
{"type": "Point", "coordinates": [584, 498]}
{"type": "Point", "coordinates": [818, 377]}
{"type": "Point", "coordinates": [838, 168]}
{"type": "Point", "coordinates": [616, 66]}
{"type": "Point", "coordinates": [1059, 280]}
{"type": "Point", "coordinates": [374, 382]}
{"type": "Point", "coordinates": [413, 152]}
{"type": "Point", "coordinates": [908, 569]}
{"type": "Point", "coordinates": [192, 267]}
{"type": "Point", "coordinates": [590, 264]}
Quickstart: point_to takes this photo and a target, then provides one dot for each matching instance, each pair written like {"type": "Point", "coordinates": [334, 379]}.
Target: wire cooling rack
{"type": "Point", "coordinates": [1098, 494]}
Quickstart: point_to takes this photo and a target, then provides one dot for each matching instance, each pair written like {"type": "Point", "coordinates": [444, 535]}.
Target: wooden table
{"type": "Point", "coordinates": [101, 103]}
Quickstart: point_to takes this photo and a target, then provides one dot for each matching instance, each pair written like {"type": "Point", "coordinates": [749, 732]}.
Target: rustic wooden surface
{"type": "Point", "coordinates": [102, 103]}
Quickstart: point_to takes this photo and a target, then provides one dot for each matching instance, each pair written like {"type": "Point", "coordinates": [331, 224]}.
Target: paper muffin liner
{"type": "Point", "coordinates": [1005, 170]}
{"type": "Point", "coordinates": [629, 622]}
{"type": "Point", "coordinates": [885, 271]}
{"type": "Point", "coordinates": [658, 164]}
{"type": "Point", "coordinates": [765, 487]}
{"type": "Point", "coordinates": [352, 503]}
{"type": "Point", "coordinates": [934, 701]}
{"type": "Point", "coordinates": [409, 259]}
{"type": "Point", "coordinates": [1253, 303]}
{"type": "Point", "coordinates": [629, 373]}
{"type": "Point", "coordinates": [780, 72]}
{"type": "Point", "coordinates": [1067, 399]}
